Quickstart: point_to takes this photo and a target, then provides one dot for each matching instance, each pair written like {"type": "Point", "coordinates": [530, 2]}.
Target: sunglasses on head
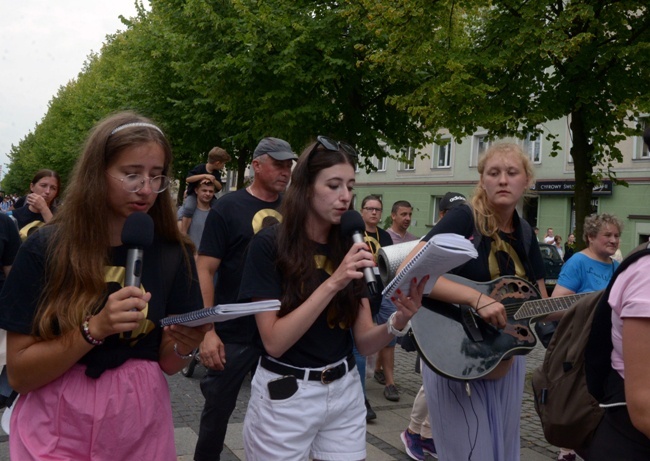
{"type": "Point", "coordinates": [333, 145]}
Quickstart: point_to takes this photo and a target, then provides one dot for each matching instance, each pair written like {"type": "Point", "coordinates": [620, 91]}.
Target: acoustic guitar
{"type": "Point", "coordinates": [455, 342]}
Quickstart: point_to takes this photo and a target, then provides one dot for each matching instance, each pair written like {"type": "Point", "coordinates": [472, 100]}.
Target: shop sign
{"type": "Point", "coordinates": [568, 187]}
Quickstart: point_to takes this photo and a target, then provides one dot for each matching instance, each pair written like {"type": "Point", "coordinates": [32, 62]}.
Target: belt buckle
{"type": "Point", "coordinates": [323, 378]}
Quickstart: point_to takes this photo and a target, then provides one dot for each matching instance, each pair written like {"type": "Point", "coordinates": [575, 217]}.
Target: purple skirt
{"type": "Point", "coordinates": [483, 426]}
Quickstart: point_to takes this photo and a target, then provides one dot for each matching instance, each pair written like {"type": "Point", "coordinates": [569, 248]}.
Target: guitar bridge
{"type": "Point", "coordinates": [469, 322]}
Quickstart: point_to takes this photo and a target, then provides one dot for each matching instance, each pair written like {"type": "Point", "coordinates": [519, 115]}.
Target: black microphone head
{"type": "Point", "coordinates": [138, 230]}
{"type": "Point", "coordinates": [351, 222]}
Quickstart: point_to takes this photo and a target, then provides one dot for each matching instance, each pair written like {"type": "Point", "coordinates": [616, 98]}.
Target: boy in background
{"type": "Point", "coordinates": [211, 171]}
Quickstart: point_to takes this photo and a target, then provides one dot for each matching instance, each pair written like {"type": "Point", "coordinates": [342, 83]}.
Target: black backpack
{"type": "Point", "coordinates": [571, 382]}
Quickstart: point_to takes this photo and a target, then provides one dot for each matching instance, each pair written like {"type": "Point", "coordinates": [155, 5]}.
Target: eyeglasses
{"type": "Point", "coordinates": [333, 145]}
{"type": "Point", "coordinates": [135, 182]}
{"type": "Point", "coordinates": [372, 210]}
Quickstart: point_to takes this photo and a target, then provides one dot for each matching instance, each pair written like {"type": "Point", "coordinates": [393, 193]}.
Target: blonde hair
{"type": "Point", "coordinates": [485, 219]}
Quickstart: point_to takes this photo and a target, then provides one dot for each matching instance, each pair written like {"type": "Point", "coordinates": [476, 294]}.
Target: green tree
{"type": "Point", "coordinates": [290, 69]}
{"type": "Point", "coordinates": [510, 66]}
{"type": "Point", "coordinates": [229, 73]}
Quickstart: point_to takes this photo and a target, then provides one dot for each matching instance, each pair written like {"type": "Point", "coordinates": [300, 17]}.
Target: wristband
{"type": "Point", "coordinates": [182, 356]}
{"type": "Point", "coordinates": [394, 331]}
{"type": "Point", "coordinates": [85, 332]}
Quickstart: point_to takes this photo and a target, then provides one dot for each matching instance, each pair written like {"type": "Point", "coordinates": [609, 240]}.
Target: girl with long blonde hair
{"type": "Point", "coordinates": [479, 419]}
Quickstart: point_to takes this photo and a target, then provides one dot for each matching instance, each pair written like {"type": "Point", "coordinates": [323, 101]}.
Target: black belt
{"type": "Point", "coordinates": [325, 376]}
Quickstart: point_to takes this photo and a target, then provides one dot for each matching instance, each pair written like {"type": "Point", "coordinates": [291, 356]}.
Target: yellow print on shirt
{"type": "Point", "coordinates": [265, 218]}
{"type": "Point", "coordinates": [323, 263]}
{"type": "Point", "coordinates": [116, 274]}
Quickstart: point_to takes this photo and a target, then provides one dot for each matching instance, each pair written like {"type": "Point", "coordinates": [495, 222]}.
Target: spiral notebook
{"type": "Point", "coordinates": [442, 253]}
{"type": "Point", "coordinates": [221, 313]}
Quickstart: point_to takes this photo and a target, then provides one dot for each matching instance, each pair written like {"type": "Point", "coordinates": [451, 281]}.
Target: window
{"type": "Point", "coordinates": [641, 150]}
{"type": "Point", "coordinates": [442, 155]}
{"type": "Point", "coordinates": [380, 164]}
{"type": "Point", "coordinates": [408, 153]}
{"type": "Point", "coordinates": [480, 144]}
{"type": "Point", "coordinates": [533, 146]}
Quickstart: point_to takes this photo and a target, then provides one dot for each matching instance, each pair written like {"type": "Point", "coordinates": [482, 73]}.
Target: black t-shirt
{"type": "Point", "coordinates": [200, 169]}
{"type": "Point", "coordinates": [229, 227]}
{"type": "Point", "coordinates": [375, 241]}
{"type": "Point", "coordinates": [9, 244]}
{"type": "Point", "coordinates": [25, 216]}
{"type": "Point", "coordinates": [164, 274]}
{"type": "Point", "coordinates": [324, 342]}
{"type": "Point", "coordinates": [492, 261]}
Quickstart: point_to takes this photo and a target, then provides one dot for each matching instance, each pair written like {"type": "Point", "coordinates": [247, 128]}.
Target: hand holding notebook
{"type": "Point", "coordinates": [442, 253]}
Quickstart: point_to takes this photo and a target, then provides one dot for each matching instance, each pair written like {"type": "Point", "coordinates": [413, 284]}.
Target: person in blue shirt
{"type": "Point", "coordinates": [591, 268]}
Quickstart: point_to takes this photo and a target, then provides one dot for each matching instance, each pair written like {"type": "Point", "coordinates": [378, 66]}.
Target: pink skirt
{"type": "Point", "coordinates": [124, 415]}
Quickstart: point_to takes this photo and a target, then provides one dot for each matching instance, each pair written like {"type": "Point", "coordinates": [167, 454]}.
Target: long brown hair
{"type": "Point", "coordinates": [485, 218]}
{"type": "Point", "coordinates": [296, 251]}
{"type": "Point", "coordinates": [79, 247]}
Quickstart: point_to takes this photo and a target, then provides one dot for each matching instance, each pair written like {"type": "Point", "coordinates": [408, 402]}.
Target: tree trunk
{"type": "Point", "coordinates": [242, 163]}
{"type": "Point", "coordinates": [581, 151]}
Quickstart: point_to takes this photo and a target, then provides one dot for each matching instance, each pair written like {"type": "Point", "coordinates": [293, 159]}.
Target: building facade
{"type": "Point", "coordinates": [436, 169]}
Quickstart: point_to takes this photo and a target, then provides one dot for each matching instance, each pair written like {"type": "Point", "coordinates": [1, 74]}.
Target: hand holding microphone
{"type": "Point", "coordinates": [137, 234]}
{"type": "Point", "coordinates": [352, 225]}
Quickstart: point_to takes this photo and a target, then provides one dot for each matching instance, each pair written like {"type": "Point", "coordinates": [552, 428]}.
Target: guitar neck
{"type": "Point", "coordinates": [540, 307]}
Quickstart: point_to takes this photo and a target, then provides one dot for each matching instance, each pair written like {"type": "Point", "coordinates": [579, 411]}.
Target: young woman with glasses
{"type": "Point", "coordinates": [306, 399]}
{"type": "Point", "coordinates": [85, 352]}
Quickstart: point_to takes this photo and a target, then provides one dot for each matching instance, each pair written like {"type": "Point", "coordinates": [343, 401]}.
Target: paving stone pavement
{"type": "Point", "coordinates": [383, 441]}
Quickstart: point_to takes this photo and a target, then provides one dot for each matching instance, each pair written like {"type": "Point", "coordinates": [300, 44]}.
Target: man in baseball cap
{"type": "Point", "coordinates": [450, 200]}
{"type": "Point", "coordinates": [279, 149]}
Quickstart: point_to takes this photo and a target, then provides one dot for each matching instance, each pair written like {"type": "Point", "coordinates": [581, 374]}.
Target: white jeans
{"type": "Point", "coordinates": [321, 421]}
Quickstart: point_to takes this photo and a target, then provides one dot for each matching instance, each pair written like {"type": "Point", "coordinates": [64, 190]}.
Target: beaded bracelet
{"type": "Point", "coordinates": [182, 356]}
{"type": "Point", "coordinates": [85, 332]}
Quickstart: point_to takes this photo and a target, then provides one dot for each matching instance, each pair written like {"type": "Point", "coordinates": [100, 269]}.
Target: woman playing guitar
{"type": "Point", "coordinates": [479, 419]}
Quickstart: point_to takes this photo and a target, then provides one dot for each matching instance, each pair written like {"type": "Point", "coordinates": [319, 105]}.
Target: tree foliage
{"type": "Point", "coordinates": [510, 66]}
{"type": "Point", "coordinates": [290, 69]}
{"type": "Point", "coordinates": [229, 73]}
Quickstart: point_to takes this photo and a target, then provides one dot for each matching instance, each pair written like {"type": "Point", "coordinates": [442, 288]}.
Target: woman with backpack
{"type": "Point", "coordinates": [479, 419]}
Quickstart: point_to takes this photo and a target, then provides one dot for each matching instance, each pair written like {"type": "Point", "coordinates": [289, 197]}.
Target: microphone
{"type": "Point", "coordinates": [352, 225]}
{"type": "Point", "coordinates": [137, 233]}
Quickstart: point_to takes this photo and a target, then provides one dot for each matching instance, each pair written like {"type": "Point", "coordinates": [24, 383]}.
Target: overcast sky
{"type": "Point", "coordinates": [43, 45]}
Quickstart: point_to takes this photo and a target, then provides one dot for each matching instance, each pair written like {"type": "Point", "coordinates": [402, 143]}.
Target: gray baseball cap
{"type": "Point", "coordinates": [279, 149]}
